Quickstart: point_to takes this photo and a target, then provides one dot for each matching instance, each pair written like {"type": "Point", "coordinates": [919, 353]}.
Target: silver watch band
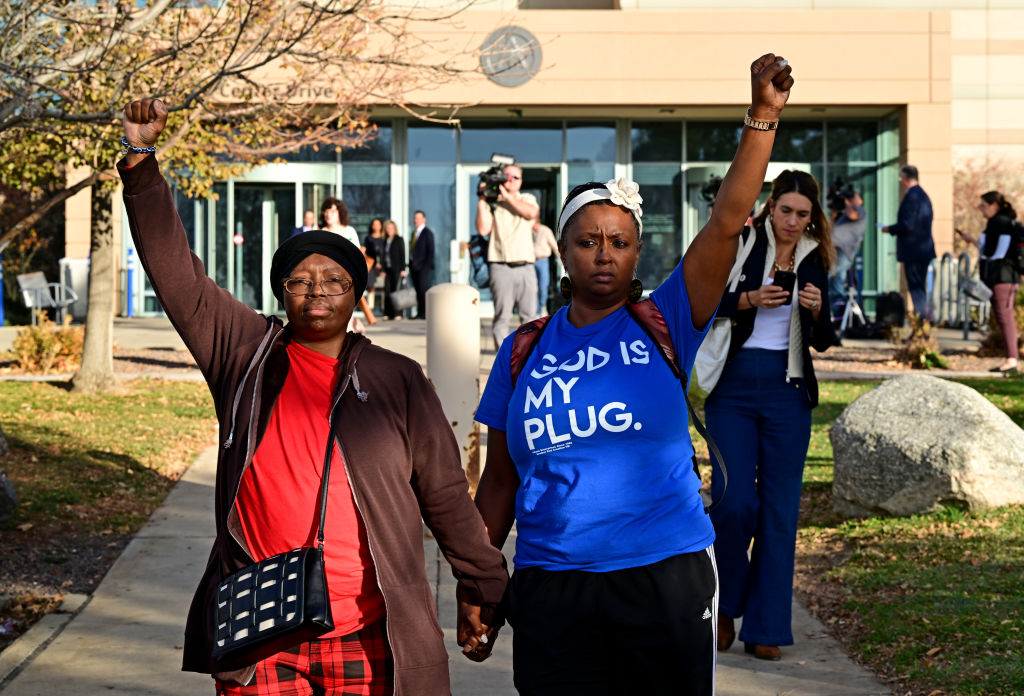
{"type": "Point", "coordinates": [750, 122]}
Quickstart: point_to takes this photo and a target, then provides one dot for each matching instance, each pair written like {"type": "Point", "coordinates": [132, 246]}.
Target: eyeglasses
{"type": "Point", "coordinates": [330, 286]}
{"type": "Point", "coordinates": [515, 176]}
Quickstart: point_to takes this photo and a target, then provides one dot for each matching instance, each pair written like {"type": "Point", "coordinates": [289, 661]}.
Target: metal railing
{"type": "Point", "coordinates": [950, 306]}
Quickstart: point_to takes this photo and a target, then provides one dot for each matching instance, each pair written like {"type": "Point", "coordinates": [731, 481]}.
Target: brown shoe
{"type": "Point", "coordinates": [763, 652]}
{"type": "Point", "coordinates": [726, 632]}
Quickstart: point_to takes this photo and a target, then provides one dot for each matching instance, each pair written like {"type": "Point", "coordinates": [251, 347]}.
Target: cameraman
{"type": "Point", "coordinates": [848, 224]}
{"type": "Point", "coordinates": [508, 224]}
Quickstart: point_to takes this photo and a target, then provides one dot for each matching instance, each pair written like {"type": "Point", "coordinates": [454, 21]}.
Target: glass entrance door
{"type": "Point", "coordinates": [264, 217]}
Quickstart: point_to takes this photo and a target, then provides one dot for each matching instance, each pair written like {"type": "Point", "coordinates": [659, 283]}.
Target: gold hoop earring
{"type": "Point", "coordinates": [636, 291]}
{"type": "Point", "coordinates": [565, 287]}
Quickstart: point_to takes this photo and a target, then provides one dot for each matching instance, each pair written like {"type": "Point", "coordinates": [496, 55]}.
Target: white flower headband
{"type": "Point", "coordinates": [619, 191]}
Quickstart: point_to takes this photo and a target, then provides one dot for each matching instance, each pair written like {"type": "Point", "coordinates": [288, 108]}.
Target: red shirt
{"type": "Point", "coordinates": [277, 497]}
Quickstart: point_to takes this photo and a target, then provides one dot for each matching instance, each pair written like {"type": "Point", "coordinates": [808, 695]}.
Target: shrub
{"type": "Point", "coordinates": [920, 350]}
{"type": "Point", "coordinates": [47, 348]}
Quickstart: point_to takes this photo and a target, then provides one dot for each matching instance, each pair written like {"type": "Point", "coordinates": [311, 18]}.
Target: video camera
{"type": "Point", "coordinates": [494, 177]}
{"type": "Point", "coordinates": [838, 193]}
{"type": "Point", "coordinates": [709, 191]}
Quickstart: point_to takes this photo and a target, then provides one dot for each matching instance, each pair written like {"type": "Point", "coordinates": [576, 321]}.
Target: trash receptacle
{"type": "Point", "coordinates": [75, 274]}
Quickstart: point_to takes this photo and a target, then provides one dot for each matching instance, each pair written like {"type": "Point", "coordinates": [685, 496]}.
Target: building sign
{"type": "Point", "coordinates": [510, 56]}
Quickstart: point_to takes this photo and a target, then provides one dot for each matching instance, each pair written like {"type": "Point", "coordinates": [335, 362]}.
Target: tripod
{"type": "Point", "coordinates": [852, 309]}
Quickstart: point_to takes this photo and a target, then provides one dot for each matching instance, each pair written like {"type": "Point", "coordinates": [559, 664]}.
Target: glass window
{"type": "Point", "coordinates": [377, 149]}
{"type": "Point", "coordinates": [798, 142]}
{"type": "Point", "coordinates": [660, 186]}
{"type": "Point", "coordinates": [533, 142]}
{"type": "Point", "coordinates": [220, 235]}
{"type": "Point", "coordinates": [657, 142]}
{"type": "Point", "coordinates": [852, 142]}
{"type": "Point", "coordinates": [432, 190]}
{"type": "Point", "coordinates": [593, 142]}
{"type": "Point", "coordinates": [432, 144]}
{"type": "Point", "coordinates": [583, 173]}
{"type": "Point", "coordinates": [366, 190]}
{"type": "Point", "coordinates": [709, 141]}
{"type": "Point", "coordinates": [312, 153]}
{"type": "Point", "coordinates": [186, 208]}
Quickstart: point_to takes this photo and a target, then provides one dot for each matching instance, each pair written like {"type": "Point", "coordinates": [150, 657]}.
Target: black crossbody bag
{"type": "Point", "coordinates": [279, 602]}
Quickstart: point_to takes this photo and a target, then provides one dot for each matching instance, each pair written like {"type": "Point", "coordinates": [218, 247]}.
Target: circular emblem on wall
{"type": "Point", "coordinates": [510, 56]}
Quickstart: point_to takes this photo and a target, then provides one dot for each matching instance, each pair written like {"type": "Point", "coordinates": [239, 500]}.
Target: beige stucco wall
{"type": "Point", "coordinates": [896, 61]}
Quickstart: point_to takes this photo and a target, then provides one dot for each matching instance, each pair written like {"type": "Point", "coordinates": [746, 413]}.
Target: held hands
{"type": "Point", "coordinates": [475, 638]}
{"type": "Point", "coordinates": [144, 119]}
{"type": "Point", "coordinates": [770, 82]}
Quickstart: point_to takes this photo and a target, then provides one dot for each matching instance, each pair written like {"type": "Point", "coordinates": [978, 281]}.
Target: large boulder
{"type": "Point", "coordinates": [917, 442]}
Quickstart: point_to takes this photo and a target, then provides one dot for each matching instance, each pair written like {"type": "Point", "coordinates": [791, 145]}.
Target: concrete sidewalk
{"type": "Point", "coordinates": [127, 637]}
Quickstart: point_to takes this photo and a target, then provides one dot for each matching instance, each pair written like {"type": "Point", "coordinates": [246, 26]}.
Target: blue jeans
{"type": "Point", "coordinates": [762, 425]}
{"type": "Point", "coordinates": [916, 273]}
{"type": "Point", "coordinates": [543, 281]}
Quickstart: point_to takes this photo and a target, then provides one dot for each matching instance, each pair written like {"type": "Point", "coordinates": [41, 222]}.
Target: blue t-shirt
{"type": "Point", "coordinates": [598, 430]}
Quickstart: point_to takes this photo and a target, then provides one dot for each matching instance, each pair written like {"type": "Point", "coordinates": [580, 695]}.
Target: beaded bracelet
{"type": "Point", "coordinates": [132, 148]}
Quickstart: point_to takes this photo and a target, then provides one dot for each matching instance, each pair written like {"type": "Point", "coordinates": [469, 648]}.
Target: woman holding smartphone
{"type": "Point", "coordinates": [759, 411]}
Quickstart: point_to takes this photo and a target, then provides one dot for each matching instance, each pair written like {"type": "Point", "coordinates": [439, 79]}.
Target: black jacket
{"type": "Point", "coordinates": [913, 227]}
{"type": "Point", "coordinates": [421, 257]}
{"type": "Point", "coordinates": [817, 334]}
{"type": "Point", "coordinates": [994, 271]}
{"type": "Point", "coordinates": [393, 259]}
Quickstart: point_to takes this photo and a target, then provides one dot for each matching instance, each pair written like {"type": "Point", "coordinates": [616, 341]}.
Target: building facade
{"type": "Point", "coordinates": [654, 91]}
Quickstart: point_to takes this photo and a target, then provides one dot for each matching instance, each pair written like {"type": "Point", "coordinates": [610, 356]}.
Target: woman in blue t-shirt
{"type": "Point", "coordinates": [615, 588]}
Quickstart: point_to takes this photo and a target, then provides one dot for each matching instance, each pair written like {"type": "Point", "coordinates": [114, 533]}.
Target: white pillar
{"type": "Point", "coordinates": [453, 364]}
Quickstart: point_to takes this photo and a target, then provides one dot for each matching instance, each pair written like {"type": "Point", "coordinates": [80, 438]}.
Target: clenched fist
{"type": "Point", "coordinates": [770, 81]}
{"type": "Point", "coordinates": [144, 119]}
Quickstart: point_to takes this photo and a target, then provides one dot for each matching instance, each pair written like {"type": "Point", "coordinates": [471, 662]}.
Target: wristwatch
{"type": "Point", "coordinates": [750, 122]}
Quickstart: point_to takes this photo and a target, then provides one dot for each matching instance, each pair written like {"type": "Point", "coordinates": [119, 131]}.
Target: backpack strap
{"type": "Point", "coordinates": [523, 344]}
{"type": "Point", "coordinates": [651, 320]}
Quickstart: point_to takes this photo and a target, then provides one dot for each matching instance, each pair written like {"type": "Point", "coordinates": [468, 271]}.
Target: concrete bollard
{"type": "Point", "coordinates": [453, 364]}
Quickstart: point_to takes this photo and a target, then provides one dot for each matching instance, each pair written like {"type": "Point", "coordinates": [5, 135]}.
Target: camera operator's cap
{"type": "Point", "coordinates": [621, 192]}
{"type": "Point", "coordinates": [333, 246]}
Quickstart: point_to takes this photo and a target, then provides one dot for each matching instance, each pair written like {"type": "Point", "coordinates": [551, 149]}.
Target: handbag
{"type": "Point", "coordinates": [715, 348]}
{"type": "Point", "coordinates": [403, 297]}
{"type": "Point", "coordinates": [975, 289]}
{"type": "Point", "coordinates": [277, 603]}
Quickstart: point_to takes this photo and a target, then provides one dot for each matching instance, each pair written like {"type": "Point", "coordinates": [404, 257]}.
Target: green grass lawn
{"type": "Point", "coordinates": [933, 602]}
{"type": "Point", "coordinates": [100, 462]}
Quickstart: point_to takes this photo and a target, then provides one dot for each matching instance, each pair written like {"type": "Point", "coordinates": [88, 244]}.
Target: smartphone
{"type": "Point", "coordinates": [785, 280]}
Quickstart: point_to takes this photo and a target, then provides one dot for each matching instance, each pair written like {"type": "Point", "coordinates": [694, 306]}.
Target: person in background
{"type": "Point", "coordinates": [997, 272]}
{"type": "Point", "coordinates": [508, 225]}
{"type": "Point", "coordinates": [544, 245]}
{"type": "Point", "coordinates": [334, 218]}
{"type": "Point", "coordinates": [393, 266]}
{"type": "Point", "coordinates": [308, 223]}
{"type": "Point", "coordinates": [759, 412]}
{"type": "Point", "coordinates": [589, 453]}
{"type": "Point", "coordinates": [848, 226]}
{"type": "Point", "coordinates": [915, 248]}
{"type": "Point", "coordinates": [421, 261]}
{"type": "Point", "coordinates": [374, 245]}
{"type": "Point", "coordinates": [287, 396]}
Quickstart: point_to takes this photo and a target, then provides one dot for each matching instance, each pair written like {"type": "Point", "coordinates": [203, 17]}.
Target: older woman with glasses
{"type": "Point", "coordinates": [285, 394]}
{"type": "Point", "coordinates": [615, 589]}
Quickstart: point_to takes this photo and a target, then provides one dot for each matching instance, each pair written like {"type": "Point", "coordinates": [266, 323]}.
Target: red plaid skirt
{"type": "Point", "coordinates": [357, 664]}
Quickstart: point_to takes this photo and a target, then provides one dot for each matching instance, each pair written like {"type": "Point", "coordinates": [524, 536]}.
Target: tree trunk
{"type": "Point", "coordinates": [97, 371]}
{"type": "Point", "coordinates": [4, 447]}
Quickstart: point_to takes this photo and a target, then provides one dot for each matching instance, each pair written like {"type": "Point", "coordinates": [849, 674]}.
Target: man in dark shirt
{"type": "Point", "coordinates": [914, 245]}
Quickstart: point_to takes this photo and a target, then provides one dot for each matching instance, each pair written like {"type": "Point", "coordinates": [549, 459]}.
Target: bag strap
{"type": "Point", "coordinates": [332, 437]}
{"type": "Point", "coordinates": [741, 258]}
{"type": "Point", "coordinates": [651, 320]}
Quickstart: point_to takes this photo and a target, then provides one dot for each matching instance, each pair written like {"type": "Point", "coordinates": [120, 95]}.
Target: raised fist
{"type": "Point", "coordinates": [770, 81]}
{"type": "Point", "coordinates": [143, 121]}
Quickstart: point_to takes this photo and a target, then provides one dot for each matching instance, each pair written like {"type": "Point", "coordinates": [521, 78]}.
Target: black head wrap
{"type": "Point", "coordinates": [333, 246]}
